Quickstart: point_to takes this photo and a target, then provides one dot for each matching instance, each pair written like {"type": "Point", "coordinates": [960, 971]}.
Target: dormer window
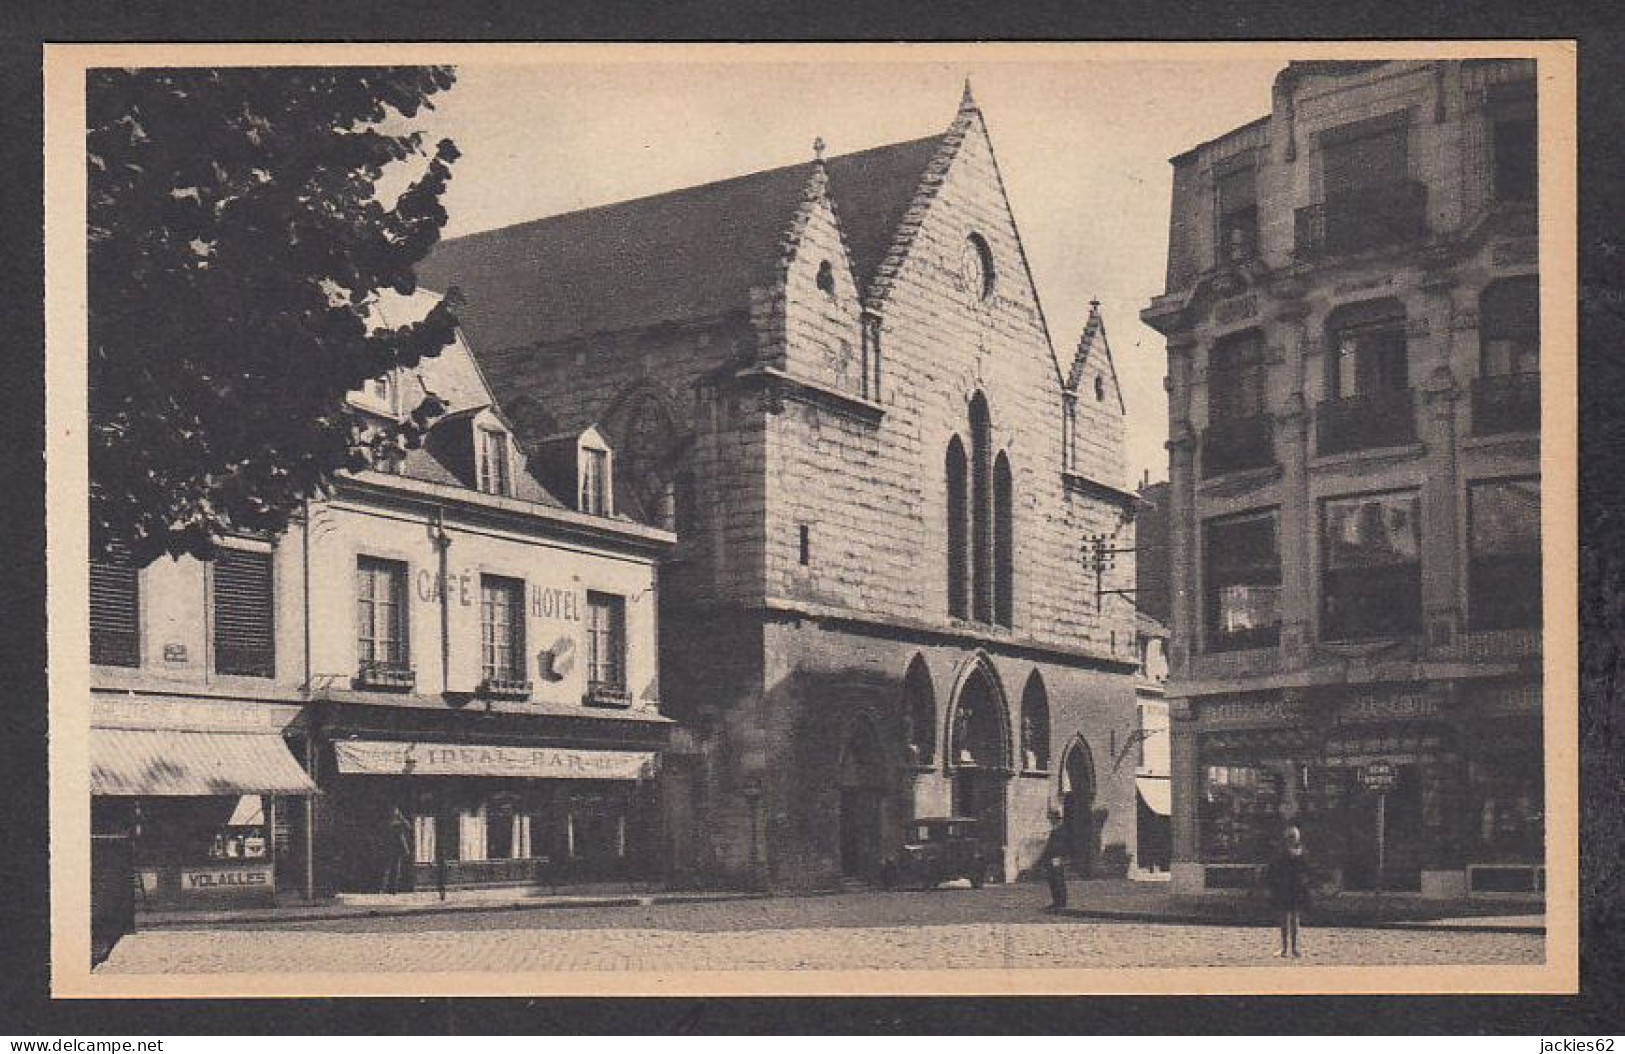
{"type": "Point", "coordinates": [380, 394]}
{"type": "Point", "coordinates": [595, 494]}
{"type": "Point", "coordinates": [493, 474]}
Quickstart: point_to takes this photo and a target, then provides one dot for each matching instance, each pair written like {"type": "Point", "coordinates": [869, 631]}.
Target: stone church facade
{"type": "Point", "coordinates": [834, 380]}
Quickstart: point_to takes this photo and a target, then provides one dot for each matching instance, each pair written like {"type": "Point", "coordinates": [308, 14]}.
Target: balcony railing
{"type": "Point", "coordinates": [385, 675]}
{"type": "Point", "coordinates": [604, 693]}
{"type": "Point", "coordinates": [245, 660]}
{"type": "Point", "coordinates": [1237, 444]}
{"type": "Point", "coordinates": [115, 647]}
{"type": "Point", "coordinates": [505, 688]}
{"type": "Point", "coordinates": [1364, 422]}
{"type": "Point", "coordinates": [1368, 218]}
{"type": "Point", "coordinates": [1507, 403]}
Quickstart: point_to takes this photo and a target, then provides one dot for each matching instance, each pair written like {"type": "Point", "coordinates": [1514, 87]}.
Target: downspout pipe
{"type": "Point", "coordinates": [310, 729]}
{"type": "Point", "coordinates": [442, 544]}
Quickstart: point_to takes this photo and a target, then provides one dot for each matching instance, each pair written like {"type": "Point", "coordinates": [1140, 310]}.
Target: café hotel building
{"type": "Point", "coordinates": [1354, 346]}
{"type": "Point", "coordinates": [443, 673]}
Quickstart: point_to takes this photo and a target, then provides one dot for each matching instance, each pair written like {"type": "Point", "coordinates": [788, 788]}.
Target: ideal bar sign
{"type": "Point", "coordinates": [379, 758]}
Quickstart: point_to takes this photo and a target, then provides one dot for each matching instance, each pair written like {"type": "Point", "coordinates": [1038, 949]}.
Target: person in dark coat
{"type": "Point", "coordinates": [1288, 878]}
{"type": "Point", "coordinates": [398, 878]}
{"type": "Point", "coordinates": [1056, 849]}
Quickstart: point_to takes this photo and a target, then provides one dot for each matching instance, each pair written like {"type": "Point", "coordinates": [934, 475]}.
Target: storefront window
{"type": "Point", "coordinates": [522, 830]}
{"type": "Point", "coordinates": [1371, 568]}
{"type": "Point", "coordinates": [193, 831]}
{"type": "Point", "coordinates": [1239, 813]}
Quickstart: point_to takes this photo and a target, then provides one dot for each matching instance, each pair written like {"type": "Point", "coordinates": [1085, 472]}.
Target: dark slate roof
{"type": "Point", "coordinates": [683, 255]}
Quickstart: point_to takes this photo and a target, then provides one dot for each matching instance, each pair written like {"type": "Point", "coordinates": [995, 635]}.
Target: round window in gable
{"type": "Point", "coordinates": [826, 278]}
{"type": "Point", "coordinates": [976, 267]}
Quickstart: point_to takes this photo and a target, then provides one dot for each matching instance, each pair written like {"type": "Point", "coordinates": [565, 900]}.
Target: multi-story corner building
{"type": "Point", "coordinates": [836, 381]}
{"type": "Point", "coordinates": [1151, 598]}
{"type": "Point", "coordinates": [461, 662]}
{"type": "Point", "coordinates": [1353, 368]}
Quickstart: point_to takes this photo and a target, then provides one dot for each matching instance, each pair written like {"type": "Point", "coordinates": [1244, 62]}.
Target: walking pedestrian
{"type": "Point", "coordinates": [1056, 849]}
{"type": "Point", "coordinates": [1288, 878]}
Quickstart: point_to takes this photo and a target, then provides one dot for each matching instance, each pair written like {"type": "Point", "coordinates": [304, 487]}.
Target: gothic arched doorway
{"type": "Point", "coordinates": [1078, 806]}
{"type": "Point", "coordinates": [861, 779]}
{"type": "Point", "coordinates": [979, 753]}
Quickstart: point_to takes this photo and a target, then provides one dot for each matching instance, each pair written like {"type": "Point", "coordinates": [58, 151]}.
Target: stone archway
{"type": "Point", "coordinates": [861, 780]}
{"type": "Point", "coordinates": [1078, 790]}
{"type": "Point", "coordinates": [978, 755]}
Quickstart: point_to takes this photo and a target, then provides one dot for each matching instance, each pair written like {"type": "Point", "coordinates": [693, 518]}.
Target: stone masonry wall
{"type": "Point", "coordinates": [717, 438]}
{"type": "Point", "coordinates": [873, 495]}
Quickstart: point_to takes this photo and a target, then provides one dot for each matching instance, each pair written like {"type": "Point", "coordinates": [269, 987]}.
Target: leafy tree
{"type": "Point", "coordinates": [236, 239]}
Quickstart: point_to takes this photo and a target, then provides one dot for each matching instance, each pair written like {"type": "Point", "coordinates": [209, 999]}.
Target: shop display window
{"type": "Point", "coordinates": [1239, 813]}
{"type": "Point", "coordinates": [513, 831]}
{"type": "Point", "coordinates": [181, 832]}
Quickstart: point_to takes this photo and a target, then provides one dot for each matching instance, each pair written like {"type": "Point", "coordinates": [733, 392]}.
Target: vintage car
{"type": "Point", "coordinates": [938, 849]}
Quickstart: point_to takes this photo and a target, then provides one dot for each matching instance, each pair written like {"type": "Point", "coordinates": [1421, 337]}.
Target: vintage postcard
{"type": "Point", "coordinates": [812, 519]}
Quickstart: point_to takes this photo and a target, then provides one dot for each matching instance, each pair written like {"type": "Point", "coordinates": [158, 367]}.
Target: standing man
{"type": "Point", "coordinates": [1288, 878]}
{"type": "Point", "coordinates": [1056, 850]}
{"type": "Point", "coordinates": [397, 877]}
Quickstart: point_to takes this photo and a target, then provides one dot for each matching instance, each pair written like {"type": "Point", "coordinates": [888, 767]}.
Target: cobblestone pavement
{"type": "Point", "coordinates": [948, 929]}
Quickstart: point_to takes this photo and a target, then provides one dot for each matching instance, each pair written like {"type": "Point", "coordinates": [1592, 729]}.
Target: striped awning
{"type": "Point", "coordinates": [173, 763]}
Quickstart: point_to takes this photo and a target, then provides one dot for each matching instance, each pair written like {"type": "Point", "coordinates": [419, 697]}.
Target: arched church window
{"type": "Point", "coordinates": [981, 534]}
{"type": "Point", "coordinates": [1003, 544]}
{"type": "Point", "coordinates": [958, 530]}
{"type": "Point", "coordinates": [919, 714]}
{"type": "Point", "coordinates": [1035, 725]}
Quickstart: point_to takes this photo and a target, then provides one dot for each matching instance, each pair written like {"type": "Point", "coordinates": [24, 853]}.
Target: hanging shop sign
{"type": "Point", "coordinates": [380, 758]}
{"type": "Point", "coordinates": [1379, 776]}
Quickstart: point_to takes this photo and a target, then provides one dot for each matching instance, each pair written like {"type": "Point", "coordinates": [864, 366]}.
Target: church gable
{"type": "Point", "coordinates": [1092, 432]}
{"type": "Point", "coordinates": [820, 300]}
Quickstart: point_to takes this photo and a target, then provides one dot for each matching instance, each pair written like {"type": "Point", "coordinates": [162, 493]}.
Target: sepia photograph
{"type": "Point", "coordinates": [792, 519]}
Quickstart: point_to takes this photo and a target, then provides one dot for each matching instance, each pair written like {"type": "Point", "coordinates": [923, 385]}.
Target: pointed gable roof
{"type": "Point", "coordinates": [1092, 348]}
{"type": "Point", "coordinates": [683, 255]}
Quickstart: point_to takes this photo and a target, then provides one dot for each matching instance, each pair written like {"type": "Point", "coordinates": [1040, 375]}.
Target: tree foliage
{"type": "Point", "coordinates": [236, 240]}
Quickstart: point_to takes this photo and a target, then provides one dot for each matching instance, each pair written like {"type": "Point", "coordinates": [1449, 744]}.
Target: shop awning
{"type": "Point", "coordinates": [396, 758]}
{"type": "Point", "coordinates": [1157, 793]}
{"type": "Point", "coordinates": [172, 763]}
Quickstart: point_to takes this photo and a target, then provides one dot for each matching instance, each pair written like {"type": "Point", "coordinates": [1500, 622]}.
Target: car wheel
{"type": "Point", "coordinates": [978, 878]}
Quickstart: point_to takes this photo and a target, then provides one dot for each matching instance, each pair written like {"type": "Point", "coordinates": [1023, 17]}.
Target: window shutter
{"type": "Point", "coordinates": [244, 627]}
{"type": "Point", "coordinates": [115, 612]}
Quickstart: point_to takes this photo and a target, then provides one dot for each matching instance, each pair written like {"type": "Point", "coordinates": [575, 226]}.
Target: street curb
{"type": "Point", "coordinates": [1440, 926]}
{"type": "Point", "coordinates": [183, 921]}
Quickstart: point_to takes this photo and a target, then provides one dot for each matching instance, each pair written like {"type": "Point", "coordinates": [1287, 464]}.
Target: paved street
{"type": "Point", "coordinates": [1002, 927]}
